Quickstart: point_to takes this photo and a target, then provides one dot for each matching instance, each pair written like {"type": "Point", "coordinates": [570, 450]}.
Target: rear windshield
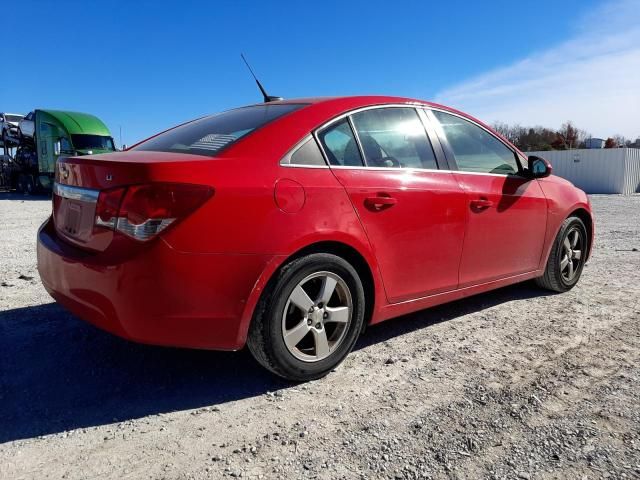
{"type": "Point", "coordinates": [92, 142]}
{"type": "Point", "coordinates": [209, 135]}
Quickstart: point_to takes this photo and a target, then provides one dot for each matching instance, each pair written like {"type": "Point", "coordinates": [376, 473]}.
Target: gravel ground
{"type": "Point", "coordinates": [515, 383]}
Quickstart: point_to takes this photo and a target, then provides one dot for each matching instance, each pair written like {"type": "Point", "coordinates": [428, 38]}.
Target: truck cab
{"type": "Point", "coordinates": [56, 134]}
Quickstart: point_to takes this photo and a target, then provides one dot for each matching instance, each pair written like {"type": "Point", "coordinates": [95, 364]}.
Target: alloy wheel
{"type": "Point", "coordinates": [317, 316]}
{"type": "Point", "coordinates": [572, 250]}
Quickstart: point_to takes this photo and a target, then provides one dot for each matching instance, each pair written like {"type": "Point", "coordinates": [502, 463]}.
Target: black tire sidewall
{"type": "Point", "coordinates": [567, 227]}
{"type": "Point", "coordinates": [289, 279]}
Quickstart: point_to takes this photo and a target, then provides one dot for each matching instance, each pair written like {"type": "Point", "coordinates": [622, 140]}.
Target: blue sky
{"type": "Point", "coordinates": [146, 66]}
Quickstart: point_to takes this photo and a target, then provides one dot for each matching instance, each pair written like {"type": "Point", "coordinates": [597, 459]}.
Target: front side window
{"type": "Point", "coordinates": [210, 135]}
{"type": "Point", "coordinates": [340, 145]}
{"type": "Point", "coordinates": [394, 137]}
{"type": "Point", "coordinates": [475, 149]}
{"type": "Point", "coordinates": [65, 145]}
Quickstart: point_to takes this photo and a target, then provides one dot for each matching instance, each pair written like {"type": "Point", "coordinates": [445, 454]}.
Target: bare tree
{"type": "Point", "coordinates": [620, 140]}
{"type": "Point", "coordinates": [542, 138]}
{"type": "Point", "coordinates": [568, 133]}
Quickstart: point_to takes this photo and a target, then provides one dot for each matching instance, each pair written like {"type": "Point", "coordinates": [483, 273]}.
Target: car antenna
{"type": "Point", "coordinates": [267, 98]}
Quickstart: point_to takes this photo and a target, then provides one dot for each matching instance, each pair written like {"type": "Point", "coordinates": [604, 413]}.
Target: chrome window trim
{"type": "Point", "coordinates": [76, 193]}
{"type": "Point", "coordinates": [431, 170]}
{"type": "Point", "coordinates": [393, 169]}
{"type": "Point", "coordinates": [301, 165]}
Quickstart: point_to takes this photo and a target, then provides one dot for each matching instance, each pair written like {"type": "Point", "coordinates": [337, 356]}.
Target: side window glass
{"type": "Point", "coordinates": [307, 154]}
{"type": "Point", "coordinates": [340, 145]}
{"type": "Point", "coordinates": [475, 149]}
{"type": "Point", "coordinates": [394, 137]}
{"type": "Point", "coordinates": [65, 145]}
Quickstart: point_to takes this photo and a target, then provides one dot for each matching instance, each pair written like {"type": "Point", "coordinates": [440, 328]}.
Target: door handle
{"type": "Point", "coordinates": [481, 203]}
{"type": "Point", "coordinates": [379, 202]}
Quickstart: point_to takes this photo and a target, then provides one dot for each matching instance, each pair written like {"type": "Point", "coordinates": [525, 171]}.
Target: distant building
{"type": "Point", "coordinates": [594, 143]}
{"type": "Point", "coordinates": [605, 170]}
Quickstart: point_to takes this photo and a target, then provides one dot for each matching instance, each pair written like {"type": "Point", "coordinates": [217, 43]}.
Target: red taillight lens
{"type": "Point", "coordinates": [143, 211]}
{"type": "Point", "coordinates": [107, 207]}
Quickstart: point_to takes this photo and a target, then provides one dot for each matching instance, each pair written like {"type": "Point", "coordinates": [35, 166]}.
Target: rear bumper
{"type": "Point", "coordinates": [156, 295]}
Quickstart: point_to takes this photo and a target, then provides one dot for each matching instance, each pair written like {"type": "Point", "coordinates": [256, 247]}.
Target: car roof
{"type": "Point", "coordinates": [319, 110]}
{"type": "Point", "coordinates": [361, 100]}
{"type": "Point", "coordinates": [341, 104]}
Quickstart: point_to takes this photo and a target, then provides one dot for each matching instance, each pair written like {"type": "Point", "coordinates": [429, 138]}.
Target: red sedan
{"type": "Point", "coordinates": [290, 225]}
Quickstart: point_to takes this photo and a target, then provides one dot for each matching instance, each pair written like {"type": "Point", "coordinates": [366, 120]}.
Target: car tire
{"type": "Point", "coordinates": [567, 257]}
{"type": "Point", "coordinates": [309, 319]}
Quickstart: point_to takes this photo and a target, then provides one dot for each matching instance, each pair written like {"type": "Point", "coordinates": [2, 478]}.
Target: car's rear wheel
{"type": "Point", "coordinates": [309, 320]}
{"type": "Point", "coordinates": [567, 258]}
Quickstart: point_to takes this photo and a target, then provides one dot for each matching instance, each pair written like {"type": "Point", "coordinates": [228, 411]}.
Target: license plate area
{"type": "Point", "coordinates": [74, 211]}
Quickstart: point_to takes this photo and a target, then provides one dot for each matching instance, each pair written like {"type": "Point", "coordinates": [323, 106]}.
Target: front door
{"type": "Point", "coordinates": [413, 213]}
{"type": "Point", "coordinates": [506, 211]}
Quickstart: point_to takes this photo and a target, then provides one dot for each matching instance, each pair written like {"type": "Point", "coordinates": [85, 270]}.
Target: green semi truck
{"type": "Point", "coordinates": [45, 135]}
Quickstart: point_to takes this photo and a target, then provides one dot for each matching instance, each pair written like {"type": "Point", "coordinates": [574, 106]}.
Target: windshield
{"type": "Point", "coordinates": [209, 135]}
{"type": "Point", "coordinates": [13, 118]}
{"type": "Point", "coordinates": [92, 142]}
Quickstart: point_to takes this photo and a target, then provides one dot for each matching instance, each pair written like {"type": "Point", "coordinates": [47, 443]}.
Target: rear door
{"type": "Point", "coordinates": [413, 212]}
{"type": "Point", "coordinates": [506, 211]}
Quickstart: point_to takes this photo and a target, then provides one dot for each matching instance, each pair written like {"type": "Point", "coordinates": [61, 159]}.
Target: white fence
{"type": "Point", "coordinates": [607, 170]}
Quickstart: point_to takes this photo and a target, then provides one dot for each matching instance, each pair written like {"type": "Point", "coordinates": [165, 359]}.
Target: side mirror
{"type": "Point", "coordinates": [539, 167]}
{"type": "Point", "coordinates": [56, 148]}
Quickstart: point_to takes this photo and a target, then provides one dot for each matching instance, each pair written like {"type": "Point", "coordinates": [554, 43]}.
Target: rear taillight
{"type": "Point", "coordinates": [107, 207]}
{"type": "Point", "coordinates": [143, 211]}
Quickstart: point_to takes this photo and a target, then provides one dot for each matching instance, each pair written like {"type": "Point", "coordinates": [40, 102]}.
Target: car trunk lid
{"type": "Point", "coordinates": [84, 184]}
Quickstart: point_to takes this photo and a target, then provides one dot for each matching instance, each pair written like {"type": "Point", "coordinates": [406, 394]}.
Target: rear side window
{"type": "Point", "coordinates": [394, 137]}
{"type": "Point", "coordinates": [306, 154]}
{"type": "Point", "coordinates": [475, 149]}
{"type": "Point", "coordinates": [340, 145]}
{"type": "Point", "coordinates": [208, 136]}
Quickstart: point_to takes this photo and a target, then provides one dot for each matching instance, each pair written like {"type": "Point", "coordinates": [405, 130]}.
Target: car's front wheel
{"type": "Point", "coordinates": [310, 318]}
{"type": "Point", "coordinates": [567, 257]}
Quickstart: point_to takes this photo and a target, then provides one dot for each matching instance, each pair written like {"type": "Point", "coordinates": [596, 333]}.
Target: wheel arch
{"type": "Point", "coordinates": [587, 219]}
{"type": "Point", "coordinates": [351, 255]}
{"type": "Point", "coordinates": [344, 250]}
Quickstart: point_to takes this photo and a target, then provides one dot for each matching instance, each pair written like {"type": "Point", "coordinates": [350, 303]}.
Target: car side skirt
{"type": "Point", "coordinates": [396, 309]}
